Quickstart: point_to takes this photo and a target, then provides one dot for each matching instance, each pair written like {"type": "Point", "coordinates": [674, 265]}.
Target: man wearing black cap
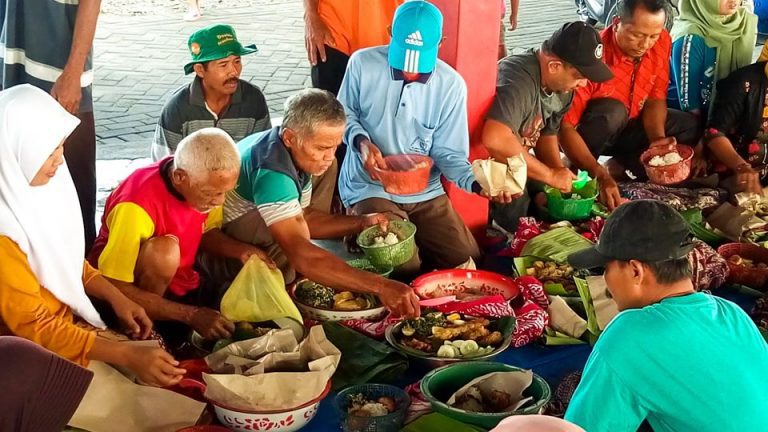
{"type": "Point", "coordinates": [682, 360]}
{"type": "Point", "coordinates": [533, 93]}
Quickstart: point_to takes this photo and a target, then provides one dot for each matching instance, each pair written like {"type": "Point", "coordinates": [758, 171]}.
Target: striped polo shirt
{"type": "Point", "coordinates": [269, 181]}
{"type": "Point", "coordinates": [35, 41]}
{"type": "Point", "coordinates": [186, 112]}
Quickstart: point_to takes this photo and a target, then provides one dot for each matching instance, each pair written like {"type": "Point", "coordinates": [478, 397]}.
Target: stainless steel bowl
{"type": "Point", "coordinates": [433, 362]}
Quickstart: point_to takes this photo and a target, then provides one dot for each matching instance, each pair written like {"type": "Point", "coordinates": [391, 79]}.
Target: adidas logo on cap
{"type": "Point", "coordinates": [414, 39]}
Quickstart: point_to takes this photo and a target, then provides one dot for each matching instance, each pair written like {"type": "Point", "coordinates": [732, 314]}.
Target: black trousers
{"type": "Point", "coordinates": [606, 128]}
{"type": "Point", "coordinates": [80, 153]}
{"type": "Point", "coordinates": [328, 74]}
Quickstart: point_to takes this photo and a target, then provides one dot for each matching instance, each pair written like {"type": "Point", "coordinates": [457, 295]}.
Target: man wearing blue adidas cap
{"type": "Point", "coordinates": [400, 99]}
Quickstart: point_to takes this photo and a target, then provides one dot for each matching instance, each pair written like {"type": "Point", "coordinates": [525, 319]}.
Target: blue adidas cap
{"type": "Point", "coordinates": [417, 29]}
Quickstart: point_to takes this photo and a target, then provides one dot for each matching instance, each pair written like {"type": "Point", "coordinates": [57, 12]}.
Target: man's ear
{"type": "Point", "coordinates": [289, 138]}
{"type": "Point", "coordinates": [199, 69]}
{"type": "Point", "coordinates": [638, 271]}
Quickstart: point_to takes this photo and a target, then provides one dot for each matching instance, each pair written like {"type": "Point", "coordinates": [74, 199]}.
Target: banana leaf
{"type": "Point", "coordinates": [586, 299]}
{"type": "Point", "coordinates": [556, 245]}
{"type": "Point", "coordinates": [555, 338]}
{"type": "Point", "coordinates": [364, 360]}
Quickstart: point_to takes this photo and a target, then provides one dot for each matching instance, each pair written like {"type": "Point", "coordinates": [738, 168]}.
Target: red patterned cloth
{"type": "Point", "coordinates": [489, 307]}
{"type": "Point", "coordinates": [419, 404]}
{"type": "Point", "coordinates": [532, 317]}
{"type": "Point", "coordinates": [710, 270]}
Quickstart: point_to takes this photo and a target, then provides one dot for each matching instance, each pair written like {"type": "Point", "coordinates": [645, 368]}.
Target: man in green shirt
{"type": "Point", "coordinates": [684, 361]}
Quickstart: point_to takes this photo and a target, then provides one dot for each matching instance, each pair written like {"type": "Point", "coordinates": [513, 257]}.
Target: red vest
{"type": "Point", "coordinates": [147, 188]}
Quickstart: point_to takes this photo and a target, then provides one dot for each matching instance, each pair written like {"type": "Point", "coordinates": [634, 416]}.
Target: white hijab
{"type": "Point", "coordinates": [45, 221]}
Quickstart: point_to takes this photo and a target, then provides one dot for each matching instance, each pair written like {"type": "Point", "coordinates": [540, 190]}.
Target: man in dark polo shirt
{"type": "Point", "coordinates": [533, 94]}
{"type": "Point", "coordinates": [217, 97]}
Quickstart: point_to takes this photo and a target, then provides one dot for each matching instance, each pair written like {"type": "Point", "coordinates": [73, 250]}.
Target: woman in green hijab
{"type": "Point", "coordinates": [711, 38]}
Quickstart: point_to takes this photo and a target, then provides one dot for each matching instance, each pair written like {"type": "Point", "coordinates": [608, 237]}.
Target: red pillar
{"type": "Point", "coordinates": [471, 31]}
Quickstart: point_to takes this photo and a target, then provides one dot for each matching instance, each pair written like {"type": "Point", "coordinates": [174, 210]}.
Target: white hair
{"type": "Point", "coordinates": [206, 151]}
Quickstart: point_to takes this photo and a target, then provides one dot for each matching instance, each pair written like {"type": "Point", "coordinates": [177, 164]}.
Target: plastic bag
{"type": "Point", "coordinates": [258, 294]}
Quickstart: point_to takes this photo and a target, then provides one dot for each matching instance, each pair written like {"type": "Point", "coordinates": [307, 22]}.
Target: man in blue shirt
{"type": "Point", "coordinates": [400, 99]}
{"type": "Point", "coordinates": [684, 361]}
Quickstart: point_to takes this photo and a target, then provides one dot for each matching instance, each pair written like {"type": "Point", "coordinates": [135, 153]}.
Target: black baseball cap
{"type": "Point", "coordinates": [580, 45]}
{"type": "Point", "coordinates": [643, 230]}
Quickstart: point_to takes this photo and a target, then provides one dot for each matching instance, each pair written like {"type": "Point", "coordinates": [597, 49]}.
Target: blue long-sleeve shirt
{"type": "Point", "coordinates": [427, 116]}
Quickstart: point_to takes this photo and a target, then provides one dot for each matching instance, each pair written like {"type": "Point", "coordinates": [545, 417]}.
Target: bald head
{"type": "Point", "coordinates": [207, 151]}
{"type": "Point", "coordinates": [206, 166]}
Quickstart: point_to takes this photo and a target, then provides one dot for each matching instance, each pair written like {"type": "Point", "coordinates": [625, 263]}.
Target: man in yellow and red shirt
{"type": "Point", "coordinates": [624, 116]}
{"type": "Point", "coordinates": [153, 225]}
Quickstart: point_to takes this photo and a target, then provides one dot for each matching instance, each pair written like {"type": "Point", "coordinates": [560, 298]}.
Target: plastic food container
{"type": "Point", "coordinates": [390, 255]}
{"type": "Point", "coordinates": [577, 206]}
{"type": "Point", "coordinates": [669, 174]}
{"type": "Point", "coordinates": [386, 423]}
{"type": "Point", "coordinates": [408, 174]}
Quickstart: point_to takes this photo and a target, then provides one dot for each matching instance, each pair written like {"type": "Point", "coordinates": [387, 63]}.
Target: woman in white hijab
{"type": "Point", "coordinates": [43, 277]}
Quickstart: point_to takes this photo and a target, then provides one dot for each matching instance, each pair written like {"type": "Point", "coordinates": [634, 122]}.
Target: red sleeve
{"type": "Point", "coordinates": [663, 50]}
{"type": "Point", "coordinates": [580, 100]}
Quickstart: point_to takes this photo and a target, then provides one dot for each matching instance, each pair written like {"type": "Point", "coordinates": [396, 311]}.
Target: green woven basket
{"type": "Point", "coordinates": [389, 256]}
{"type": "Point", "coordinates": [364, 264]}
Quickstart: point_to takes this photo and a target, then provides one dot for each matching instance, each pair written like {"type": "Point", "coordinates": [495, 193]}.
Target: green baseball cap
{"type": "Point", "coordinates": [213, 43]}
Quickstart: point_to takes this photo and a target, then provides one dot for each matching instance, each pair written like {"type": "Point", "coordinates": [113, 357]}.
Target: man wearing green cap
{"type": "Point", "coordinates": [216, 97]}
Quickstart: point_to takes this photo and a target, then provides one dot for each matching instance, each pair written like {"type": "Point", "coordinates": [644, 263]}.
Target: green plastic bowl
{"type": "Point", "coordinates": [438, 386]}
{"type": "Point", "coordinates": [572, 209]}
{"type": "Point", "coordinates": [364, 264]}
{"type": "Point", "coordinates": [389, 256]}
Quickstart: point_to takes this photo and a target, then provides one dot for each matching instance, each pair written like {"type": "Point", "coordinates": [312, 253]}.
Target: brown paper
{"type": "Point", "coordinates": [513, 383]}
{"type": "Point", "coordinates": [733, 221]}
{"type": "Point", "coordinates": [113, 403]}
{"type": "Point", "coordinates": [563, 319]}
{"type": "Point", "coordinates": [605, 307]}
{"type": "Point", "coordinates": [267, 389]}
{"type": "Point", "coordinates": [496, 177]}
{"type": "Point", "coordinates": [282, 340]}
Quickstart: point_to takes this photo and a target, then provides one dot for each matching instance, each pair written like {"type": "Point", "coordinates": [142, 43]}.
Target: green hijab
{"type": "Point", "coordinates": [733, 36]}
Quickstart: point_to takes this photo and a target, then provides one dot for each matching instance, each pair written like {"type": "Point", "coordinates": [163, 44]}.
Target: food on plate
{"type": "Point", "coordinates": [361, 406]}
{"type": "Point", "coordinates": [553, 273]}
{"type": "Point", "coordinates": [385, 240]}
{"type": "Point", "coordinates": [323, 297]}
{"type": "Point", "coordinates": [743, 262]}
{"type": "Point", "coordinates": [493, 401]}
{"type": "Point", "coordinates": [670, 158]}
{"type": "Point", "coordinates": [451, 336]}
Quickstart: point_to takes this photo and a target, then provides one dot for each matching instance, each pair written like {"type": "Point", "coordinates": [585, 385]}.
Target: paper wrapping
{"type": "Point", "coordinates": [496, 177]}
{"type": "Point", "coordinates": [733, 221]}
{"type": "Point", "coordinates": [513, 383]}
{"type": "Point", "coordinates": [563, 319]}
{"type": "Point", "coordinates": [113, 403]}
{"type": "Point", "coordinates": [279, 379]}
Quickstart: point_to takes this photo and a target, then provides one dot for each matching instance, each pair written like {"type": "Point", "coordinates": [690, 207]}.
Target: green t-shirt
{"type": "Point", "coordinates": [694, 363]}
{"type": "Point", "coordinates": [268, 182]}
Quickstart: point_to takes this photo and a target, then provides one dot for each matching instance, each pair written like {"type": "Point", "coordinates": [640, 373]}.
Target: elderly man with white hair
{"type": "Point", "coordinates": [153, 224]}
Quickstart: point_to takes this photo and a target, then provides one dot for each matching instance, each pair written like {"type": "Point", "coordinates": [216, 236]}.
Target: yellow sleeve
{"type": "Point", "coordinates": [129, 226]}
{"type": "Point", "coordinates": [30, 314]}
{"type": "Point", "coordinates": [215, 219]}
{"type": "Point", "coordinates": [763, 53]}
